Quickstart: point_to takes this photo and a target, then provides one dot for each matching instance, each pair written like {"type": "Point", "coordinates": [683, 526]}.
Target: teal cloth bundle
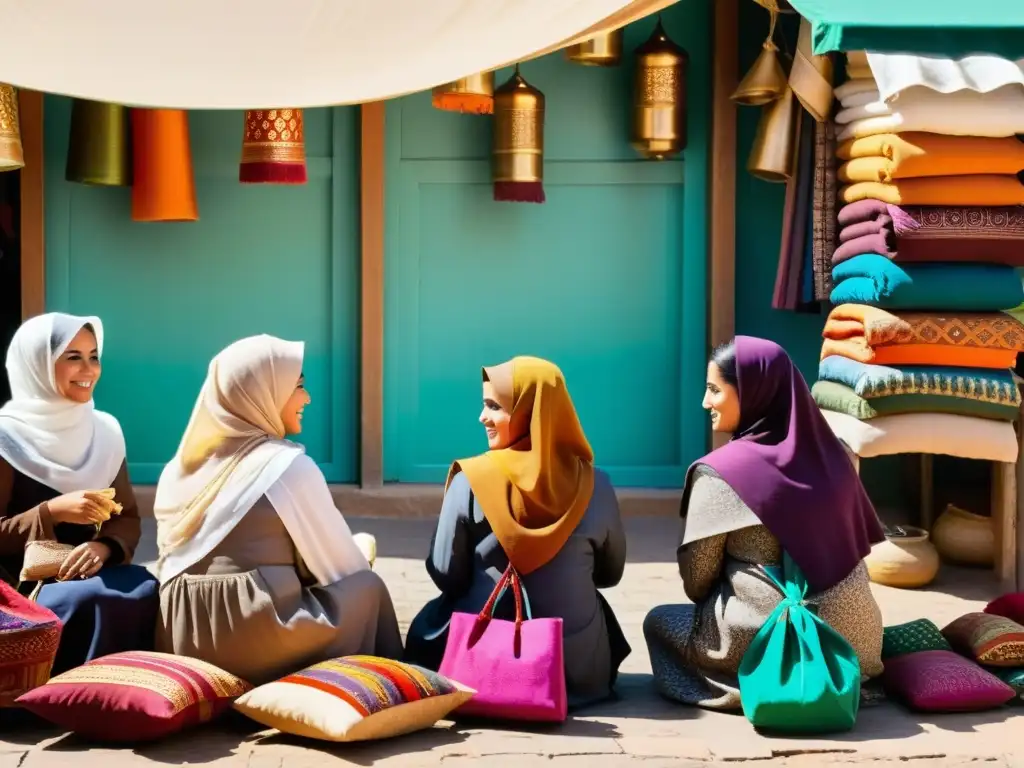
{"type": "Point", "coordinates": [799, 675]}
{"type": "Point", "coordinates": [875, 280]}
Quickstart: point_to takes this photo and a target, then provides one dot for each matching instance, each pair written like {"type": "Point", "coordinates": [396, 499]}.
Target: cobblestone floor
{"type": "Point", "coordinates": [637, 730]}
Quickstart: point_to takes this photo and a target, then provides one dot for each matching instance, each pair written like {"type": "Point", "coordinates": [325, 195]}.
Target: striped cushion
{"type": "Point", "coordinates": [355, 698]}
{"type": "Point", "coordinates": [135, 696]}
{"type": "Point", "coordinates": [29, 636]}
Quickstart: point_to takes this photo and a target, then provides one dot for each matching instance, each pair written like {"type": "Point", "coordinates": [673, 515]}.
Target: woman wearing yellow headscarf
{"type": "Point", "coordinates": [534, 500]}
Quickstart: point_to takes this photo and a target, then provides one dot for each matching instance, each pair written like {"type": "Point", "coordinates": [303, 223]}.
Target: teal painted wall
{"type": "Point", "coordinates": [607, 278]}
{"type": "Point", "coordinates": [261, 259]}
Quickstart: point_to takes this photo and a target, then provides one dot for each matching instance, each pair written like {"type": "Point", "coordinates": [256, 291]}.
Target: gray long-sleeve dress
{"type": "Point", "coordinates": [466, 561]}
{"type": "Point", "coordinates": [696, 649]}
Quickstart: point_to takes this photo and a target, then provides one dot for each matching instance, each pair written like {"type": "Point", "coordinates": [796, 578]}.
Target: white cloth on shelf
{"type": "Point", "coordinates": [897, 72]}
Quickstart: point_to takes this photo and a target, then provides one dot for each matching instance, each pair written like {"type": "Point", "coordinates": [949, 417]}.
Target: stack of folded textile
{"type": "Point", "coordinates": [918, 349]}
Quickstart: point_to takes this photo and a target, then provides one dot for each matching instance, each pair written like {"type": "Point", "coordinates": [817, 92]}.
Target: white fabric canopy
{"type": "Point", "coordinates": [227, 54]}
{"type": "Point", "coordinates": [896, 72]}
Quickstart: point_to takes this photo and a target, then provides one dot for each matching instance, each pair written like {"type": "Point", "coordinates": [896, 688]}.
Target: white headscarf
{"type": "Point", "coordinates": [233, 453]}
{"type": "Point", "coordinates": [64, 445]}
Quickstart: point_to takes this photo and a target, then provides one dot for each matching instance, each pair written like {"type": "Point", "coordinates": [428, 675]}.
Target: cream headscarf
{"type": "Point", "coordinates": [233, 453]}
{"type": "Point", "coordinates": [64, 445]}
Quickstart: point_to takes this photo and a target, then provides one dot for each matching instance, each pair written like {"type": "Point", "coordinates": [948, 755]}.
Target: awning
{"type": "Point", "coordinates": [938, 27]}
{"type": "Point", "coordinates": [230, 54]}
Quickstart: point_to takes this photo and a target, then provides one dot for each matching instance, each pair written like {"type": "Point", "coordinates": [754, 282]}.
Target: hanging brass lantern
{"type": "Point", "coordinates": [771, 157]}
{"type": "Point", "coordinates": [99, 150]}
{"type": "Point", "coordinates": [473, 95]}
{"type": "Point", "coordinates": [602, 51]}
{"type": "Point", "coordinates": [765, 81]}
{"type": "Point", "coordinates": [659, 97]}
{"type": "Point", "coordinates": [12, 155]}
{"type": "Point", "coordinates": [518, 142]}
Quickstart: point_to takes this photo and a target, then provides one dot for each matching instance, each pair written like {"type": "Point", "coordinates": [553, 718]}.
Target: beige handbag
{"type": "Point", "coordinates": [43, 560]}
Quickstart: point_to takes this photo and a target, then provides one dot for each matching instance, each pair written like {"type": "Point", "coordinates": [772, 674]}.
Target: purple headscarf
{"type": "Point", "coordinates": [785, 463]}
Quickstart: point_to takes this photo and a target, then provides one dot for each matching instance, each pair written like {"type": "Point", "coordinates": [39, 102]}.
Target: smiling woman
{"type": "Point", "coordinates": [78, 368]}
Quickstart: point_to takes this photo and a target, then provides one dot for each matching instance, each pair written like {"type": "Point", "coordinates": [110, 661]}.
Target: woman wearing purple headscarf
{"type": "Point", "coordinates": [783, 483]}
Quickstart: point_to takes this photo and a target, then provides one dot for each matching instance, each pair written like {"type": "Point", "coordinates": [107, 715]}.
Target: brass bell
{"type": "Point", "coordinates": [771, 157]}
{"type": "Point", "coordinates": [518, 142]}
{"type": "Point", "coordinates": [659, 97]}
{"type": "Point", "coordinates": [99, 149]}
{"type": "Point", "coordinates": [473, 95]}
{"type": "Point", "coordinates": [602, 51]}
{"type": "Point", "coordinates": [764, 82]}
{"type": "Point", "coordinates": [12, 154]}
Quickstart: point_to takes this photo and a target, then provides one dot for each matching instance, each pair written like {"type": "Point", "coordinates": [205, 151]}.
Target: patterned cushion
{"type": "Point", "coordinates": [354, 698]}
{"type": "Point", "coordinates": [912, 637]}
{"type": "Point", "coordinates": [942, 681]}
{"type": "Point", "coordinates": [135, 696]}
{"type": "Point", "coordinates": [1011, 606]}
{"type": "Point", "coordinates": [832, 396]}
{"type": "Point", "coordinates": [29, 636]}
{"type": "Point", "coordinates": [992, 640]}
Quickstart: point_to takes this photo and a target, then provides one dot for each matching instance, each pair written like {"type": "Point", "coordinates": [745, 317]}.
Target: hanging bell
{"type": "Point", "coordinates": [772, 155]}
{"type": "Point", "coordinates": [659, 97]}
{"type": "Point", "coordinates": [164, 188]}
{"type": "Point", "coordinates": [518, 142]}
{"type": "Point", "coordinates": [473, 95]}
{"type": "Point", "coordinates": [764, 82]}
{"type": "Point", "coordinates": [602, 51]}
{"type": "Point", "coordinates": [273, 147]}
{"type": "Point", "coordinates": [99, 149]}
{"type": "Point", "coordinates": [12, 155]}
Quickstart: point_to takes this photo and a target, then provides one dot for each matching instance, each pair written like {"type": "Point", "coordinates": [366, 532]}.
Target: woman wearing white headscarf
{"type": "Point", "coordinates": [56, 453]}
{"type": "Point", "coordinates": [261, 574]}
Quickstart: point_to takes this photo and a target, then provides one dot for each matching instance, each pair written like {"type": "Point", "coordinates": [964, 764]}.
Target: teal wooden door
{"type": "Point", "coordinates": [261, 259]}
{"type": "Point", "coordinates": [607, 278]}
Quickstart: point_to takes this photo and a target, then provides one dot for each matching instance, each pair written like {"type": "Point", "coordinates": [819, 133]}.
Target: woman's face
{"type": "Point", "coordinates": [722, 401]}
{"type": "Point", "coordinates": [78, 368]}
{"type": "Point", "coordinates": [496, 420]}
{"type": "Point", "coordinates": [291, 414]}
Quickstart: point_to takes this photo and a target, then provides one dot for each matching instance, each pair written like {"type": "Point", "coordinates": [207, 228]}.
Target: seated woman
{"type": "Point", "coordinates": [783, 483]}
{"type": "Point", "coordinates": [261, 574]}
{"type": "Point", "coordinates": [57, 452]}
{"type": "Point", "coordinates": [535, 499]}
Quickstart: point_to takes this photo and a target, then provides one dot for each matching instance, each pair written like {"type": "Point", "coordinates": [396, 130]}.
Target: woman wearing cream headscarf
{"type": "Point", "coordinates": [535, 500]}
{"type": "Point", "coordinates": [261, 574]}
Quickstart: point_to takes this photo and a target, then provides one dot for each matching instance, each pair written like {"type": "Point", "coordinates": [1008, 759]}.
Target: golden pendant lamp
{"type": "Point", "coordinates": [518, 142]}
{"type": "Point", "coordinates": [273, 147]}
{"type": "Point", "coordinates": [659, 97]}
{"type": "Point", "coordinates": [12, 154]}
{"type": "Point", "coordinates": [765, 81]}
{"type": "Point", "coordinates": [605, 50]}
{"type": "Point", "coordinates": [473, 95]}
{"type": "Point", "coordinates": [164, 187]}
{"type": "Point", "coordinates": [99, 149]}
{"type": "Point", "coordinates": [772, 155]}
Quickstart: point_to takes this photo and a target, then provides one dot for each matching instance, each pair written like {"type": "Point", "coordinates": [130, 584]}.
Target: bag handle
{"type": "Point", "coordinates": [509, 578]}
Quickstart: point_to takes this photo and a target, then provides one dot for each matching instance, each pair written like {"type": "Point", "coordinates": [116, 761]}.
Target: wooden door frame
{"type": "Point", "coordinates": [33, 208]}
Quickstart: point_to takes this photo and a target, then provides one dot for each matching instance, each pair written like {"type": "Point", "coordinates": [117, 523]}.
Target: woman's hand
{"type": "Point", "coordinates": [80, 507]}
{"type": "Point", "coordinates": [84, 561]}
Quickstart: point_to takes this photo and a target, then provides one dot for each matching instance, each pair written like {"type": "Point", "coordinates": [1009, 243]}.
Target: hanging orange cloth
{"type": "Point", "coordinates": [273, 147]}
{"type": "Point", "coordinates": [164, 188]}
{"type": "Point", "coordinates": [533, 493]}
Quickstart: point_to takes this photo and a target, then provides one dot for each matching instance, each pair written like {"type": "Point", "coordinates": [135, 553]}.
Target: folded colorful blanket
{"type": "Point", "coordinates": [992, 234]}
{"type": "Point", "coordinates": [883, 243]}
{"type": "Point", "coordinates": [839, 398]}
{"type": "Point", "coordinates": [882, 224]}
{"type": "Point", "coordinates": [966, 340]}
{"type": "Point", "coordinates": [974, 189]}
{"type": "Point", "coordinates": [875, 280]}
{"type": "Point", "coordinates": [887, 156]}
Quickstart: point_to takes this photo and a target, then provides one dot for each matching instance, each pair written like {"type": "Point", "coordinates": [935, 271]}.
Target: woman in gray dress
{"type": "Point", "coordinates": [784, 482]}
{"type": "Point", "coordinates": [535, 500]}
{"type": "Point", "coordinates": [261, 574]}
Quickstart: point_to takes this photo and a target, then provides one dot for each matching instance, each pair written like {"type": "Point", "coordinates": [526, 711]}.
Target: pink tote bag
{"type": "Point", "coordinates": [517, 668]}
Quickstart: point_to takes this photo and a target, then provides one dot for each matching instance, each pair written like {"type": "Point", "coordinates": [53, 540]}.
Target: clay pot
{"type": "Point", "coordinates": [906, 559]}
{"type": "Point", "coordinates": [964, 538]}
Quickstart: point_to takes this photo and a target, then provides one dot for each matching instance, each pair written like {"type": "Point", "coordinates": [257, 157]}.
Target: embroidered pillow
{"type": "Point", "coordinates": [29, 636]}
{"type": "Point", "coordinates": [832, 396]}
{"type": "Point", "coordinates": [355, 698]}
{"type": "Point", "coordinates": [942, 681]}
{"type": "Point", "coordinates": [135, 696]}
{"type": "Point", "coordinates": [992, 640]}
{"type": "Point", "coordinates": [1011, 606]}
{"type": "Point", "coordinates": [912, 637]}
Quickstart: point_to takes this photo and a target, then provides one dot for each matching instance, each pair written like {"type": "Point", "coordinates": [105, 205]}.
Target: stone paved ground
{"type": "Point", "coordinates": [638, 730]}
